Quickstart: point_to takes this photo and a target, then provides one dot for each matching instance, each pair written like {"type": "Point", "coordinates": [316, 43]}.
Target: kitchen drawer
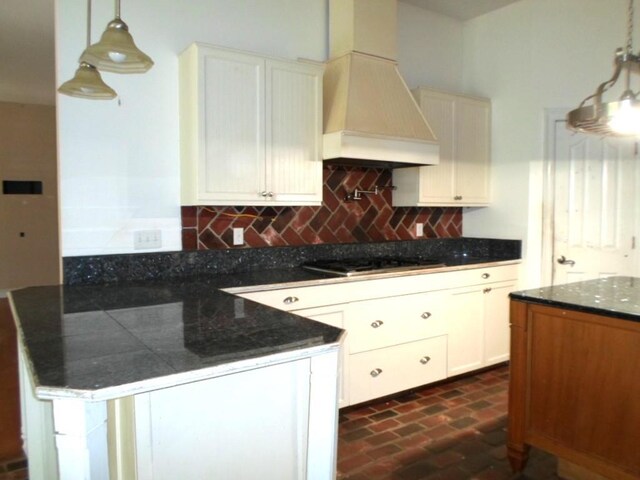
{"type": "Point", "coordinates": [301, 297]}
{"type": "Point", "coordinates": [389, 370]}
{"type": "Point", "coordinates": [374, 324]}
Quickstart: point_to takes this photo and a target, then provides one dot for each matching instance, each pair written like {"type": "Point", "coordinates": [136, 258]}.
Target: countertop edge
{"type": "Point", "coordinates": [373, 276]}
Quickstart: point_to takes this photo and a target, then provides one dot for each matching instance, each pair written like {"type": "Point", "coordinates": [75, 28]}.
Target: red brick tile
{"type": "Point", "coordinates": [380, 438]}
{"type": "Point", "coordinates": [387, 424]}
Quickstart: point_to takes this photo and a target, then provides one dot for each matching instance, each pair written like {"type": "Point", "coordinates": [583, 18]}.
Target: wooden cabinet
{"type": "Point", "coordinates": [410, 330]}
{"type": "Point", "coordinates": [574, 389]}
{"type": "Point", "coordinates": [251, 129]}
{"type": "Point", "coordinates": [463, 127]}
{"type": "Point", "coordinates": [478, 326]}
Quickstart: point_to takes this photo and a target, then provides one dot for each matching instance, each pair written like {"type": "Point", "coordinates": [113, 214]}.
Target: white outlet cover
{"type": "Point", "coordinates": [238, 236]}
{"type": "Point", "coordinates": [419, 229]}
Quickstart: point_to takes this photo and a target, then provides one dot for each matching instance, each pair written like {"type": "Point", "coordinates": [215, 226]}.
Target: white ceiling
{"type": "Point", "coordinates": [461, 9]}
{"type": "Point", "coordinates": [27, 43]}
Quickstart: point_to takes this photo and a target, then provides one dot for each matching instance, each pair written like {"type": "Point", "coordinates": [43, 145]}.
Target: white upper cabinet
{"type": "Point", "coordinates": [251, 129]}
{"type": "Point", "coordinates": [463, 127]}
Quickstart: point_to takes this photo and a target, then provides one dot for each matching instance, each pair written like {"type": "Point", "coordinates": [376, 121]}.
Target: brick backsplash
{"type": "Point", "coordinates": [371, 219]}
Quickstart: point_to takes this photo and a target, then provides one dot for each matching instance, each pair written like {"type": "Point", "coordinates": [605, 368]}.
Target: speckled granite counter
{"type": "Point", "coordinates": [103, 342]}
{"type": "Point", "coordinates": [617, 297]}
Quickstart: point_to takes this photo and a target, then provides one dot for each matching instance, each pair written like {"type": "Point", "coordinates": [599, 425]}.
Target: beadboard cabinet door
{"type": "Point", "coordinates": [463, 127]}
{"type": "Point", "coordinates": [250, 129]}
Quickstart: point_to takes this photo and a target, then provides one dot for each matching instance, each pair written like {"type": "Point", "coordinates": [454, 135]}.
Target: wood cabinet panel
{"type": "Point", "coordinates": [573, 391]}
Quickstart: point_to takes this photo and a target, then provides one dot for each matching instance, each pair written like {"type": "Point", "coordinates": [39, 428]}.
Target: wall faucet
{"type": "Point", "coordinates": [357, 193]}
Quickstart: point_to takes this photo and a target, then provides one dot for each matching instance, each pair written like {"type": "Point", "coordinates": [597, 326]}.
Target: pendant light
{"type": "Point", "coordinates": [87, 82]}
{"type": "Point", "coordinates": [616, 118]}
{"type": "Point", "coordinates": [116, 52]}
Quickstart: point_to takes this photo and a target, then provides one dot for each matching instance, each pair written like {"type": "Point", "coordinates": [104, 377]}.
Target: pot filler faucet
{"type": "Point", "coordinates": [357, 193]}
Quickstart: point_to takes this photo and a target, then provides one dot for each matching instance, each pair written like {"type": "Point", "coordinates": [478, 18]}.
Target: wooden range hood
{"type": "Point", "coordinates": [370, 116]}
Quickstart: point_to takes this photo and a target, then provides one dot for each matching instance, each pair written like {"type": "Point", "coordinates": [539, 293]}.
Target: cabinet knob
{"type": "Point", "coordinates": [485, 275]}
{"type": "Point", "coordinates": [426, 315]}
{"type": "Point", "coordinates": [264, 194]}
{"type": "Point", "coordinates": [458, 197]}
{"type": "Point", "coordinates": [486, 290]}
{"type": "Point", "coordinates": [290, 300]}
{"type": "Point", "coordinates": [424, 360]}
{"type": "Point", "coordinates": [375, 372]}
{"type": "Point", "coordinates": [269, 194]}
{"type": "Point", "coordinates": [377, 323]}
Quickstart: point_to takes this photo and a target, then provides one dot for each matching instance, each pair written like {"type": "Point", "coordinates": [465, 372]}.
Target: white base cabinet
{"type": "Point", "coordinates": [410, 330]}
{"type": "Point", "coordinates": [277, 421]}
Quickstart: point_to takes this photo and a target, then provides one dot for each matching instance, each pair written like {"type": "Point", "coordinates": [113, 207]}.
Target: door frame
{"type": "Point", "coordinates": [553, 116]}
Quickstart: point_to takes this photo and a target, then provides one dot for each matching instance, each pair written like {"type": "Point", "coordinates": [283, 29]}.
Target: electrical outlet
{"type": "Point", "coordinates": [146, 239]}
{"type": "Point", "coordinates": [238, 236]}
{"type": "Point", "coordinates": [419, 229]}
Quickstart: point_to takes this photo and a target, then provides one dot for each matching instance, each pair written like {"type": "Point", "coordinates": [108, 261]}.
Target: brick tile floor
{"type": "Point", "coordinates": [451, 431]}
{"type": "Point", "coordinates": [14, 469]}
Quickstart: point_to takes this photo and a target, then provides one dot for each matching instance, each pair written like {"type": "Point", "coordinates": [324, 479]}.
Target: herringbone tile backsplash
{"type": "Point", "coordinates": [371, 219]}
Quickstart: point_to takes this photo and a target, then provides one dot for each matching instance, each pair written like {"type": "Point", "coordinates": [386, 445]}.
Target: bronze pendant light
{"type": "Point", "coordinates": [87, 82]}
{"type": "Point", "coordinates": [116, 51]}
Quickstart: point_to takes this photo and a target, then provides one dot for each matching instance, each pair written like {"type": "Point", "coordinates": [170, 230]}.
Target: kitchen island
{"type": "Point", "coordinates": [173, 380]}
{"type": "Point", "coordinates": [574, 386]}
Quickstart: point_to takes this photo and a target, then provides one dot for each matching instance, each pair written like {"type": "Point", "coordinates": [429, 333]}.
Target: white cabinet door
{"type": "Point", "coordinates": [334, 315]}
{"type": "Point", "coordinates": [294, 131]}
{"type": "Point", "coordinates": [465, 330]}
{"type": "Point", "coordinates": [496, 323]}
{"type": "Point", "coordinates": [250, 128]}
{"type": "Point", "coordinates": [463, 127]}
{"type": "Point", "coordinates": [472, 155]}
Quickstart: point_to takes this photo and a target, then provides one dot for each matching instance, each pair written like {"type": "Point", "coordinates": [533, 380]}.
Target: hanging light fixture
{"type": "Point", "coordinates": [617, 118]}
{"type": "Point", "coordinates": [116, 52]}
{"type": "Point", "coordinates": [87, 82]}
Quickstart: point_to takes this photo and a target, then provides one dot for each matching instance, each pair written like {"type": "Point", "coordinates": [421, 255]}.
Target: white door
{"type": "Point", "coordinates": [595, 206]}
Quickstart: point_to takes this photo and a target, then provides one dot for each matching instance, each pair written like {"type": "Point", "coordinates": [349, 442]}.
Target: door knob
{"type": "Point", "coordinates": [565, 261]}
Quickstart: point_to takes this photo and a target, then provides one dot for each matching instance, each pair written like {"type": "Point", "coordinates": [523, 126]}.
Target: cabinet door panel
{"type": "Point", "coordinates": [389, 370]}
{"type": "Point", "coordinates": [496, 323]}
{"type": "Point", "coordinates": [294, 130]}
{"type": "Point", "coordinates": [465, 330]}
{"type": "Point", "coordinates": [232, 159]}
{"type": "Point", "coordinates": [473, 121]}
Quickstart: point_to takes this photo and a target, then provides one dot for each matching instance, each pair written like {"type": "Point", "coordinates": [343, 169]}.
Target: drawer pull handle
{"type": "Point", "coordinates": [266, 194]}
{"type": "Point", "coordinates": [486, 290]}
{"type": "Point", "coordinates": [458, 197]}
{"type": "Point", "coordinates": [425, 360]}
{"type": "Point", "coordinates": [377, 323]}
{"type": "Point", "coordinates": [290, 300]}
{"type": "Point", "coordinates": [375, 372]}
{"type": "Point", "coordinates": [485, 275]}
{"type": "Point", "coordinates": [426, 315]}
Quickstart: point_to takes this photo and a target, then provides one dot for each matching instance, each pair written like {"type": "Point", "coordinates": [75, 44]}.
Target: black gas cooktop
{"type": "Point", "coordinates": [364, 266]}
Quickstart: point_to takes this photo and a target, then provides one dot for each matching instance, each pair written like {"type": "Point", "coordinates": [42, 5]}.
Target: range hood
{"type": "Point", "coordinates": [370, 116]}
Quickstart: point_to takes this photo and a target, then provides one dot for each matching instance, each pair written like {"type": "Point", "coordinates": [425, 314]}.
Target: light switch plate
{"type": "Point", "coordinates": [146, 239]}
{"type": "Point", "coordinates": [238, 236]}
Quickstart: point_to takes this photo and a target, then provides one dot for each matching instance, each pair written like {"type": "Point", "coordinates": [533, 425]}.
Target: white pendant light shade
{"type": "Point", "coordinates": [87, 83]}
{"type": "Point", "coordinates": [116, 51]}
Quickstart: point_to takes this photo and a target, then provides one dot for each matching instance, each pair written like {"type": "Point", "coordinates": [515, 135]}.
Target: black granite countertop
{"type": "Point", "coordinates": [164, 316]}
{"type": "Point", "coordinates": [90, 341]}
{"type": "Point", "coordinates": [617, 297]}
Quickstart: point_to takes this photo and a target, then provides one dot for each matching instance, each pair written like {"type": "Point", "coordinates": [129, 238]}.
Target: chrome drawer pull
{"type": "Point", "coordinates": [290, 300]}
{"type": "Point", "coordinates": [377, 323]}
{"type": "Point", "coordinates": [458, 197]}
{"type": "Point", "coordinates": [426, 315]}
{"type": "Point", "coordinates": [375, 372]}
{"type": "Point", "coordinates": [486, 290]}
{"type": "Point", "coordinates": [425, 360]}
{"type": "Point", "coordinates": [485, 275]}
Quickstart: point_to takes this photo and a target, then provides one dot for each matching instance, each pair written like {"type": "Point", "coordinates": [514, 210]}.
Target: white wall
{"type": "Point", "coordinates": [429, 48]}
{"type": "Point", "coordinates": [532, 56]}
{"type": "Point", "coordinates": [119, 160]}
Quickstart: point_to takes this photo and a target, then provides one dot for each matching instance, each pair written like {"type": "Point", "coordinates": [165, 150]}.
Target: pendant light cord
{"type": "Point", "coordinates": [630, 28]}
{"type": "Point", "coordinates": [88, 23]}
{"type": "Point", "coordinates": [118, 8]}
